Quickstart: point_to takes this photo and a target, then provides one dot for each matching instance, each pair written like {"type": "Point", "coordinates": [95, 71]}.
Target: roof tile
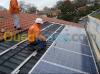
{"type": "Point", "coordinates": [26, 20]}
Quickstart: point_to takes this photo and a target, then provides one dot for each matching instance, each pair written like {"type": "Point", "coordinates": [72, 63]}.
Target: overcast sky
{"type": "Point", "coordinates": [40, 4]}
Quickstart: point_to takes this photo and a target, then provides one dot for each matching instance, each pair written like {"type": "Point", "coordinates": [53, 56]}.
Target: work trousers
{"type": "Point", "coordinates": [16, 20]}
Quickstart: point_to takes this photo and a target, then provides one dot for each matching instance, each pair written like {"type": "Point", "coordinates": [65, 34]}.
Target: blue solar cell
{"type": "Point", "coordinates": [75, 34]}
{"type": "Point", "coordinates": [85, 41]}
{"type": "Point", "coordinates": [72, 60]}
{"type": "Point", "coordinates": [46, 68]}
{"type": "Point", "coordinates": [74, 46]}
{"type": "Point", "coordinates": [71, 49]}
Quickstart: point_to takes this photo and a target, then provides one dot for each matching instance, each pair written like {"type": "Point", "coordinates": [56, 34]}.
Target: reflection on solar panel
{"type": "Point", "coordinates": [70, 53]}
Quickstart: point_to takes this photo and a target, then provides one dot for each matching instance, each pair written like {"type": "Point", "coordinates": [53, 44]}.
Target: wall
{"type": "Point", "coordinates": [93, 29]}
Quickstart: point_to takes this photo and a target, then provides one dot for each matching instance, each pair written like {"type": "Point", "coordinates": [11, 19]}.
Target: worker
{"type": "Point", "coordinates": [14, 11]}
{"type": "Point", "coordinates": [35, 36]}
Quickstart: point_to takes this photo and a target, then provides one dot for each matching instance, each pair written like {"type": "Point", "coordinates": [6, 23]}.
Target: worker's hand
{"type": "Point", "coordinates": [42, 38]}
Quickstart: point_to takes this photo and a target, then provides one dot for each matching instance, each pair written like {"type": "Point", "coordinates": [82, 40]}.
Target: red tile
{"type": "Point", "coordinates": [26, 20]}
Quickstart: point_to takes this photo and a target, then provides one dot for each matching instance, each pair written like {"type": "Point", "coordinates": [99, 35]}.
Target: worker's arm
{"type": "Point", "coordinates": [42, 37]}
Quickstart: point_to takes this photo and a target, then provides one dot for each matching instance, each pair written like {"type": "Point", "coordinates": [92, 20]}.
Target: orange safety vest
{"type": "Point", "coordinates": [33, 33]}
{"type": "Point", "coordinates": [14, 8]}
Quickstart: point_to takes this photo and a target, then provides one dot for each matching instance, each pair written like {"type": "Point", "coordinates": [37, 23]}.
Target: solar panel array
{"type": "Point", "coordinates": [70, 53]}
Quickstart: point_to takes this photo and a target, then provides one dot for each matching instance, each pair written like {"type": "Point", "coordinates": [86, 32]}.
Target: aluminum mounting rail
{"type": "Point", "coordinates": [16, 71]}
{"type": "Point", "coordinates": [14, 46]}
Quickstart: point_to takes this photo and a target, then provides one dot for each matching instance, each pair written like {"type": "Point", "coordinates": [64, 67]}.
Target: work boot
{"type": "Point", "coordinates": [41, 44]}
{"type": "Point", "coordinates": [32, 46]}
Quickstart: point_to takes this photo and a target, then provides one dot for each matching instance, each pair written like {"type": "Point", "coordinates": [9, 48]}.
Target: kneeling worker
{"type": "Point", "coordinates": [35, 36]}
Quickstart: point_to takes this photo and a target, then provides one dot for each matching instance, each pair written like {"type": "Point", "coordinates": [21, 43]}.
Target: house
{"type": "Point", "coordinates": [67, 51]}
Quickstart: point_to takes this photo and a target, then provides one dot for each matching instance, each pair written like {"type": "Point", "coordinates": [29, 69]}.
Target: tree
{"type": "Point", "coordinates": [32, 9]}
{"type": "Point", "coordinates": [27, 8]}
{"type": "Point", "coordinates": [68, 11]}
{"type": "Point", "coordinates": [81, 2]}
{"type": "Point", "coordinates": [46, 9]}
{"type": "Point", "coordinates": [73, 11]}
{"type": "Point", "coordinates": [22, 6]}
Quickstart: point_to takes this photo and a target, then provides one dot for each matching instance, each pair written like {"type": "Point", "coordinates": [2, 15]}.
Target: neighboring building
{"type": "Point", "coordinates": [49, 12]}
{"type": "Point", "coordinates": [55, 12]}
{"type": "Point", "coordinates": [2, 8]}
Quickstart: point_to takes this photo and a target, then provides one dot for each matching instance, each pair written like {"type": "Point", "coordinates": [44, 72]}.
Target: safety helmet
{"type": "Point", "coordinates": [39, 20]}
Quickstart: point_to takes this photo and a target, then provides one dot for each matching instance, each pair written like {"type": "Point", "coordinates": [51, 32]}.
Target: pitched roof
{"type": "Point", "coordinates": [26, 20]}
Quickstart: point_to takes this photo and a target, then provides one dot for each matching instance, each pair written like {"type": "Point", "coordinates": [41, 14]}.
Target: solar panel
{"type": "Point", "coordinates": [74, 34]}
{"type": "Point", "coordinates": [67, 55]}
{"type": "Point", "coordinates": [75, 47]}
{"type": "Point", "coordinates": [46, 68]}
{"type": "Point", "coordinates": [71, 60]}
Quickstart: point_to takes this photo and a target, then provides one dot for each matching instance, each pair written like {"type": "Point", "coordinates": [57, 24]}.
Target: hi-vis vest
{"type": "Point", "coordinates": [14, 8]}
{"type": "Point", "coordinates": [33, 33]}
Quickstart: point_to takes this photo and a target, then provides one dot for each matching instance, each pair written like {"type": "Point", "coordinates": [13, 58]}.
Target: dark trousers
{"type": "Point", "coordinates": [39, 43]}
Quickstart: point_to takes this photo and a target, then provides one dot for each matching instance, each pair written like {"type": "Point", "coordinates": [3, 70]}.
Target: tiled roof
{"type": "Point", "coordinates": [62, 22]}
{"type": "Point", "coordinates": [26, 20]}
{"type": "Point", "coordinates": [7, 23]}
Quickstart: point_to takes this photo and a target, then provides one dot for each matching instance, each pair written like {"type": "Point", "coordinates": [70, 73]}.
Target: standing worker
{"type": "Point", "coordinates": [35, 36]}
{"type": "Point", "coordinates": [14, 10]}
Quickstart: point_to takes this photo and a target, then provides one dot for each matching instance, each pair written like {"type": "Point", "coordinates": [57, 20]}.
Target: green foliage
{"type": "Point", "coordinates": [70, 11]}
{"type": "Point", "coordinates": [29, 8]}
{"type": "Point", "coordinates": [67, 10]}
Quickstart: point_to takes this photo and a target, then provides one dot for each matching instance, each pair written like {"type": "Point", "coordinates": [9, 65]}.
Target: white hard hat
{"type": "Point", "coordinates": [39, 20]}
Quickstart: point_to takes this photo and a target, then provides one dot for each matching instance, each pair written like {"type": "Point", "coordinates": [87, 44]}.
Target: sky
{"type": "Point", "coordinates": [40, 4]}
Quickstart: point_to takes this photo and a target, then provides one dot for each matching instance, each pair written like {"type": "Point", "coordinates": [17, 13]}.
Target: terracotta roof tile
{"type": "Point", "coordinates": [62, 22]}
{"type": "Point", "coordinates": [26, 20]}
